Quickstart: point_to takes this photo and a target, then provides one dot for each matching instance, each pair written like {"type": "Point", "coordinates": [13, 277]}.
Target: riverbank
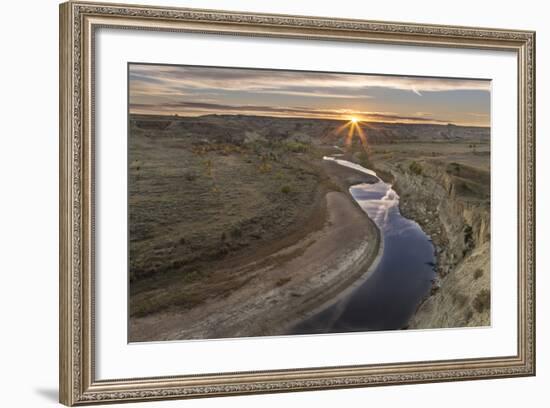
{"type": "Point", "coordinates": [270, 292]}
{"type": "Point", "coordinates": [447, 193]}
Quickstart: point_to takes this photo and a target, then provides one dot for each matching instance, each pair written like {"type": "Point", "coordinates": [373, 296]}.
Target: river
{"type": "Point", "coordinates": [401, 278]}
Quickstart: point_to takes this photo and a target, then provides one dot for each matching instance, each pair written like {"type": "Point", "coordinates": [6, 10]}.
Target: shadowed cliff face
{"type": "Point", "coordinates": [451, 202]}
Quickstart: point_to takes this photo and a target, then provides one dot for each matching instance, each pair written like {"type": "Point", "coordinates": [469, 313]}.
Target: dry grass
{"type": "Point", "coordinates": [193, 205]}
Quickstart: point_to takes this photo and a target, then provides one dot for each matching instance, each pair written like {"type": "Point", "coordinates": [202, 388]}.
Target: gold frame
{"type": "Point", "coordinates": [78, 22]}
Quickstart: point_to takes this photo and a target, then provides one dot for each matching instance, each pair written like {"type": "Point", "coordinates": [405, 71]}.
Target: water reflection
{"type": "Point", "coordinates": [388, 299]}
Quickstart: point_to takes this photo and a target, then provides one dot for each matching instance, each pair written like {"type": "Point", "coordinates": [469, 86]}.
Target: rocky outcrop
{"type": "Point", "coordinates": [451, 204]}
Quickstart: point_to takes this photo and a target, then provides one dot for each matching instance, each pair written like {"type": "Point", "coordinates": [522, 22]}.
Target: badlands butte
{"type": "Point", "coordinates": [238, 227]}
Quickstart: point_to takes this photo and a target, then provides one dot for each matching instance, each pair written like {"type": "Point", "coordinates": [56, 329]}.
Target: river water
{"type": "Point", "coordinates": [401, 278]}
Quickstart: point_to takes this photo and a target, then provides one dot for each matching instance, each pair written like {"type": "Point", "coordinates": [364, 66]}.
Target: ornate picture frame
{"type": "Point", "coordinates": [78, 24]}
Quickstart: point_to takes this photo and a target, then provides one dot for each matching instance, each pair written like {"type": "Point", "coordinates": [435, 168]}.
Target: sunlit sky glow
{"type": "Point", "coordinates": [195, 91]}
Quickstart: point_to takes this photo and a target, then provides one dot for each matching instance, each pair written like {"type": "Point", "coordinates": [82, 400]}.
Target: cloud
{"type": "Point", "coordinates": [232, 79]}
{"type": "Point", "coordinates": [190, 108]}
{"type": "Point", "coordinates": [191, 90]}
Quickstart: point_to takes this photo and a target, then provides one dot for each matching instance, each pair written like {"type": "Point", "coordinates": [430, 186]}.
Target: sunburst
{"type": "Point", "coordinates": [354, 127]}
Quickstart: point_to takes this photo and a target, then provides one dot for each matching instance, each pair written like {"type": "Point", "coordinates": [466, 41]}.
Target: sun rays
{"type": "Point", "coordinates": [354, 127]}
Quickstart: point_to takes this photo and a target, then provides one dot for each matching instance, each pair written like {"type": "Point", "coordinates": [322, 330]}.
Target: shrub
{"type": "Point", "coordinates": [478, 273]}
{"type": "Point", "coordinates": [454, 168]}
{"type": "Point", "coordinates": [190, 176]}
{"type": "Point", "coordinates": [460, 299]}
{"type": "Point", "coordinates": [468, 237]}
{"type": "Point", "coordinates": [264, 167]}
{"type": "Point", "coordinates": [208, 166]}
{"type": "Point", "coordinates": [236, 232]}
{"type": "Point", "coordinates": [296, 147]}
{"type": "Point", "coordinates": [285, 189]}
{"type": "Point", "coordinates": [482, 301]}
{"type": "Point", "coordinates": [415, 168]}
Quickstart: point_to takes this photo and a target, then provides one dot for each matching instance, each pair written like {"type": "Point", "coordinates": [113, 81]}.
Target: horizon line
{"type": "Point", "coordinates": [420, 122]}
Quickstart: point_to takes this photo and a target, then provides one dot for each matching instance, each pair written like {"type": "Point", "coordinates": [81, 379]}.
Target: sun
{"type": "Point", "coordinates": [354, 125]}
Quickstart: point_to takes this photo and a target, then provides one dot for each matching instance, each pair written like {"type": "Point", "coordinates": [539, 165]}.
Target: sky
{"type": "Point", "coordinates": [196, 91]}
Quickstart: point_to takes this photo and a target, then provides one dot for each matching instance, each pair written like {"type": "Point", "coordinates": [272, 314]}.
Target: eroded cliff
{"type": "Point", "coordinates": [451, 202]}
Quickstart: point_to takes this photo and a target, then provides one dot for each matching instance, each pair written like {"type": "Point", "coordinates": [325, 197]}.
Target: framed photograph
{"type": "Point", "coordinates": [256, 203]}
